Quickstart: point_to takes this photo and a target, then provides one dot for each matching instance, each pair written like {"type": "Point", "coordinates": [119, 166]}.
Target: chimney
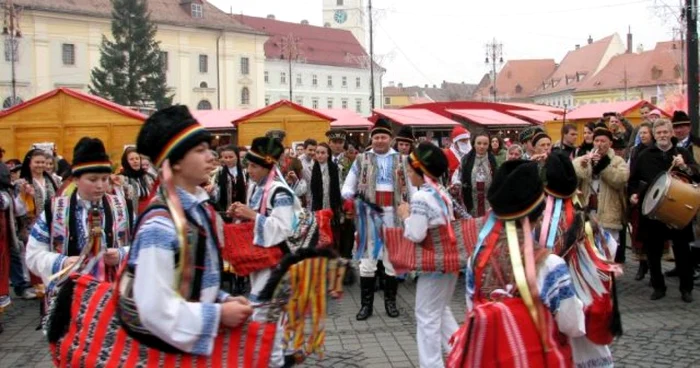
{"type": "Point", "coordinates": [326, 25]}
{"type": "Point", "coordinates": [629, 39]}
{"type": "Point", "coordinates": [305, 22]}
{"type": "Point", "coordinates": [271, 16]}
{"type": "Point", "coordinates": [590, 39]}
{"type": "Point", "coordinates": [434, 86]}
{"type": "Point", "coordinates": [578, 46]}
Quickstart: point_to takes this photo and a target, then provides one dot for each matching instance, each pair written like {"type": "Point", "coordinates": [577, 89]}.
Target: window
{"type": "Point", "coordinates": [245, 96]}
{"type": "Point", "coordinates": [314, 102]}
{"type": "Point", "coordinates": [518, 88]}
{"type": "Point", "coordinates": [314, 80]}
{"type": "Point", "coordinates": [329, 102]}
{"type": "Point", "coordinates": [344, 103]}
{"type": "Point", "coordinates": [11, 49]}
{"type": "Point", "coordinates": [267, 77]}
{"type": "Point", "coordinates": [344, 82]}
{"type": "Point", "coordinates": [283, 78]}
{"type": "Point", "coordinates": [298, 79]}
{"type": "Point", "coordinates": [196, 10]}
{"type": "Point", "coordinates": [164, 60]}
{"type": "Point", "coordinates": [358, 82]}
{"type": "Point", "coordinates": [358, 105]}
{"type": "Point", "coordinates": [299, 100]}
{"type": "Point", "coordinates": [267, 100]}
{"type": "Point", "coordinates": [68, 50]}
{"type": "Point", "coordinates": [203, 64]}
{"type": "Point", "coordinates": [654, 100]}
{"type": "Point", "coordinates": [339, 2]}
{"type": "Point", "coordinates": [387, 100]}
{"type": "Point", "coordinates": [330, 81]}
{"type": "Point", "coordinates": [245, 66]}
{"type": "Point", "coordinates": [8, 102]}
{"type": "Point", "coordinates": [204, 105]}
{"type": "Point", "coordinates": [203, 85]}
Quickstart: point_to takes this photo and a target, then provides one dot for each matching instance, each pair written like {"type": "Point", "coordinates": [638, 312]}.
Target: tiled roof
{"type": "Point", "coordinates": [416, 117]}
{"type": "Point", "coordinates": [95, 100]}
{"type": "Point", "coordinates": [537, 116]}
{"type": "Point", "coordinates": [535, 107]}
{"type": "Point", "coordinates": [489, 117]}
{"type": "Point", "coordinates": [579, 65]}
{"type": "Point", "coordinates": [317, 45]}
{"type": "Point", "coordinates": [518, 79]}
{"type": "Point", "coordinates": [659, 66]}
{"type": "Point", "coordinates": [162, 11]}
{"type": "Point", "coordinates": [447, 91]}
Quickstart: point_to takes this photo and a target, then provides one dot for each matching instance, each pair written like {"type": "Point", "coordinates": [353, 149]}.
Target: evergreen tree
{"type": "Point", "coordinates": [131, 69]}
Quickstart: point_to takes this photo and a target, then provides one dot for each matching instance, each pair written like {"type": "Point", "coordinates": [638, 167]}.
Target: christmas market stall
{"type": "Point", "coordinates": [426, 124]}
{"type": "Point", "coordinates": [62, 117]}
{"type": "Point", "coordinates": [497, 123]}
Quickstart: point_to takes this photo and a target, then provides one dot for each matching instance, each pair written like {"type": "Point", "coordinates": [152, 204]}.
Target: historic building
{"type": "Point", "coordinates": [516, 81]}
{"type": "Point", "coordinates": [211, 60]}
{"type": "Point", "coordinates": [348, 15]}
{"type": "Point", "coordinates": [316, 67]}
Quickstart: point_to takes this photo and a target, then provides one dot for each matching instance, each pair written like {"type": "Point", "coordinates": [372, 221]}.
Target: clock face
{"type": "Point", "coordinates": [340, 16]}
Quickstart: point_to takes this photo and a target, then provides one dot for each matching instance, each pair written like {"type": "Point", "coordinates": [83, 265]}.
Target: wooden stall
{"type": "Point", "coordinates": [62, 117]}
{"type": "Point", "coordinates": [298, 121]}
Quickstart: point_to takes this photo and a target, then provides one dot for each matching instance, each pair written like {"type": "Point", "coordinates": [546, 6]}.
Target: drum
{"type": "Point", "coordinates": [672, 201]}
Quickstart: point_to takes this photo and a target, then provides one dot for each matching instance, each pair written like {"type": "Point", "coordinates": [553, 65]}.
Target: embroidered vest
{"type": "Point", "coordinates": [367, 186]}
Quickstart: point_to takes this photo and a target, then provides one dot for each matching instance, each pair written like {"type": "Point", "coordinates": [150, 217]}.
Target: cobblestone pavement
{"type": "Point", "coordinates": [664, 333]}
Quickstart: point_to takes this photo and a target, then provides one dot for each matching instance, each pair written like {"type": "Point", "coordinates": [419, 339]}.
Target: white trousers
{"type": "Point", "coordinates": [369, 266]}
{"type": "Point", "coordinates": [434, 319]}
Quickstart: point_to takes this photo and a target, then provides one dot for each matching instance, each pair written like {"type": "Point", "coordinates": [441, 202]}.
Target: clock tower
{"type": "Point", "coordinates": [348, 15]}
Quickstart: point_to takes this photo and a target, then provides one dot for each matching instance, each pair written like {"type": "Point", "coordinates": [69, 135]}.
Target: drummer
{"type": "Point", "coordinates": [665, 154]}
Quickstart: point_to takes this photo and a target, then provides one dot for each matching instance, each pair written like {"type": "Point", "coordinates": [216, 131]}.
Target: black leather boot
{"type": "Point", "coordinates": [642, 271]}
{"type": "Point", "coordinates": [367, 298]}
{"type": "Point", "coordinates": [391, 286]}
{"type": "Point", "coordinates": [380, 274]}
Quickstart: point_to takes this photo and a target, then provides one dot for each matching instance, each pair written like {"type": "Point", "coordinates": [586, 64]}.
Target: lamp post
{"type": "Point", "coordinates": [12, 33]}
{"type": "Point", "coordinates": [494, 54]}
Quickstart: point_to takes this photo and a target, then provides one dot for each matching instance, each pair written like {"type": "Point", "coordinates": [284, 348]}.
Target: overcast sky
{"type": "Point", "coordinates": [426, 42]}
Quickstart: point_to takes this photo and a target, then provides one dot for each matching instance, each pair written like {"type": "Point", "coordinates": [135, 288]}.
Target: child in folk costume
{"type": "Point", "coordinates": [560, 209]}
{"type": "Point", "coordinates": [274, 208]}
{"type": "Point", "coordinates": [37, 188]}
{"type": "Point", "coordinates": [520, 297]}
{"type": "Point", "coordinates": [170, 291]}
{"type": "Point", "coordinates": [83, 229]}
{"type": "Point", "coordinates": [430, 208]}
{"type": "Point", "coordinates": [376, 181]}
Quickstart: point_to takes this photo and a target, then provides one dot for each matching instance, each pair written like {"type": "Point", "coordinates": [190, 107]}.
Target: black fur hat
{"type": "Point", "coordinates": [516, 189]}
{"type": "Point", "coordinates": [405, 135]}
{"type": "Point", "coordinates": [561, 181]}
{"type": "Point", "coordinates": [528, 133]}
{"type": "Point", "coordinates": [169, 133]}
{"type": "Point", "coordinates": [602, 129]}
{"type": "Point", "coordinates": [680, 118]}
{"type": "Point", "coordinates": [265, 151]}
{"type": "Point", "coordinates": [538, 136]}
{"type": "Point", "coordinates": [428, 159]}
{"type": "Point", "coordinates": [382, 126]}
{"type": "Point", "coordinates": [336, 134]}
{"type": "Point", "coordinates": [90, 156]}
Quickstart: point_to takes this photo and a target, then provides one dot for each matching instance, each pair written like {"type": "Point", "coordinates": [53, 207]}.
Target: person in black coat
{"type": "Point", "coordinates": [652, 162]}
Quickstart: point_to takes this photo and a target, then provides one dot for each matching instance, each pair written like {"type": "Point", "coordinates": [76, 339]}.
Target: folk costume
{"type": "Point", "coordinates": [136, 185]}
{"type": "Point", "coordinates": [373, 189]}
{"type": "Point", "coordinates": [692, 144]}
{"type": "Point", "coordinates": [475, 175]}
{"type": "Point", "coordinates": [520, 298]}
{"type": "Point", "coordinates": [405, 135]}
{"type": "Point", "coordinates": [431, 208]}
{"type": "Point", "coordinates": [288, 163]}
{"type": "Point", "coordinates": [524, 137]}
{"type": "Point", "coordinates": [560, 210]}
{"type": "Point", "coordinates": [75, 227]}
{"type": "Point", "coordinates": [461, 145]}
{"type": "Point", "coordinates": [10, 208]}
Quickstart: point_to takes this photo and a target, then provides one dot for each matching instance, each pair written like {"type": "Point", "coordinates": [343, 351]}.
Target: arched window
{"type": "Point", "coordinates": [203, 85]}
{"type": "Point", "coordinates": [245, 96]}
{"type": "Point", "coordinates": [204, 105]}
{"type": "Point", "coordinates": [7, 103]}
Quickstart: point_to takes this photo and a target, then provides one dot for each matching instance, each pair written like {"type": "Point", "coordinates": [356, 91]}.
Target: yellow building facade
{"type": "Point", "coordinates": [209, 63]}
{"type": "Point", "coordinates": [614, 95]}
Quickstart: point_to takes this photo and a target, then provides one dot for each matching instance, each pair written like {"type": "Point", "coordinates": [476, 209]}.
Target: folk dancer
{"type": "Point", "coordinates": [228, 186]}
{"type": "Point", "coordinates": [603, 180]}
{"type": "Point", "coordinates": [681, 130]}
{"type": "Point", "coordinates": [430, 208]}
{"type": "Point", "coordinates": [290, 167]}
{"type": "Point", "coordinates": [475, 175]}
{"type": "Point", "coordinates": [460, 146]}
{"type": "Point", "coordinates": [560, 186]}
{"type": "Point", "coordinates": [38, 189]}
{"type": "Point", "coordinates": [10, 208]}
{"type": "Point", "coordinates": [516, 289]}
{"type": "Point", "coordinates": [653, 161]}
{"type": "Point", "coordinates": [84, 229]}
{"type": "Point", "coordinates": [404, 141]}
{"type": "Point", "coordinates": [525, 139]}
{"type": "Point", "coordinates": [542, 144]}
{"type": "Point", "coordinates": [325, 189]}
{"type": "Point", "coordinates": [377, 179]}
{"type": "Point", "coordinates": [172, 301]}
{"type": "Point", "coordinates": [274, 208]}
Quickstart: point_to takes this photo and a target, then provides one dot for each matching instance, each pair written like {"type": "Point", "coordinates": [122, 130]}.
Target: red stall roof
{"type": "Point", "coordinates": [535, 107]}
{"type": "Point", "coordinates": [345, 118]}
{"type": "Point", "coordinates": [255, 113]}
{"type": "Point", "coordinates": [596, 111]}
{"type": "Point", "coordinates": [416, 117]}
{"type": "Point", "coordinates": [539, 116]}
{"type": "Point", "coordinates": [218, 119]}
{"type": "Point", "coordinates": [488, 117]}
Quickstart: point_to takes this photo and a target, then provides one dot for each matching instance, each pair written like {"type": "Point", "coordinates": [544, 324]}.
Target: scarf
{"type": "Point", "coordinates": [317, 187]}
